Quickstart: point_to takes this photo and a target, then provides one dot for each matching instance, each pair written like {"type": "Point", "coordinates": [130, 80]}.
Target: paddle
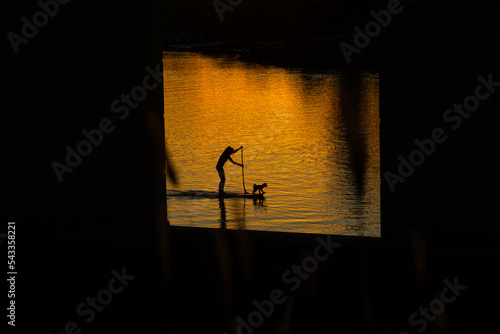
{"type": "Point", "coordinates": [243, 171]}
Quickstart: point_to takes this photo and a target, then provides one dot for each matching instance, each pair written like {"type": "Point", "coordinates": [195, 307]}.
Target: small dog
{"type": "Point", "coordinates": [259, 188]}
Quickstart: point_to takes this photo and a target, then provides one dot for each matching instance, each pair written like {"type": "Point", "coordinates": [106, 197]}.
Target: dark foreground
{"type": "Point", "coordinates": [214, 276]}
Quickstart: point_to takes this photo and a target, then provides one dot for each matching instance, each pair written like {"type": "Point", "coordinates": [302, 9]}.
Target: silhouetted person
{"type": "Point", "coordinates": [226, 155]}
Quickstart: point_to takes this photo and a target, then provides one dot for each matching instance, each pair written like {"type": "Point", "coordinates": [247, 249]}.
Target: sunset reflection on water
{"type": "Point", "coordinates": [293, 133]}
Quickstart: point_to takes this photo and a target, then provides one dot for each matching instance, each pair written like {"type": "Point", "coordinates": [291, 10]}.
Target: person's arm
{"type": "Point", "coordinates": [234, 162]}
{"type": "Point", "coordinates": [238, 149]}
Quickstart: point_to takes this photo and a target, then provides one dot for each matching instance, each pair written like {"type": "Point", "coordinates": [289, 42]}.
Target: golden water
{"type": "Point", "coordinates": [291, 126]}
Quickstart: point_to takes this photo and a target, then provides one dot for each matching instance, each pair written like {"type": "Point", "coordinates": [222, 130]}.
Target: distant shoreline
{"type": "Point", "coordinates": [320, 55]}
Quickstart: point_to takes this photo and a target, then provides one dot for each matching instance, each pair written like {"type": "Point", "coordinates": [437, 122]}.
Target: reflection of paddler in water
{"type": "Point", "coordinates": [223, 218]}
{"type": "Point", "coordinates": [225, 156]}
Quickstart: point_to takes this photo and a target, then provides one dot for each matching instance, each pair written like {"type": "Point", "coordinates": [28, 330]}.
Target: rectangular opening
{"type": "Point", "coordinates": [310, 134]}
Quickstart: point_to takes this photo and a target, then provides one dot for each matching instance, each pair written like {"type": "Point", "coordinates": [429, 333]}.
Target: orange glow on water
{"type": "Point", "coordinates": [291, 126]}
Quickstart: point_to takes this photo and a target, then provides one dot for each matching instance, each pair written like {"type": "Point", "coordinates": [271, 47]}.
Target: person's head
{"type": "Point", "coordinates": [229, 150]}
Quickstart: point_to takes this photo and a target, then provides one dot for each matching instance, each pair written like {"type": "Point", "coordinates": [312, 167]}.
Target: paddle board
{"type": "Point", "coordinates": [212, 194]}
{"type": "Point", "coordinates": [233, 195]}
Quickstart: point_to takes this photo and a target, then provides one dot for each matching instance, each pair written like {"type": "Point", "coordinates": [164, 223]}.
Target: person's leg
{"type": "Point", "coordinates": [222, 180]}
